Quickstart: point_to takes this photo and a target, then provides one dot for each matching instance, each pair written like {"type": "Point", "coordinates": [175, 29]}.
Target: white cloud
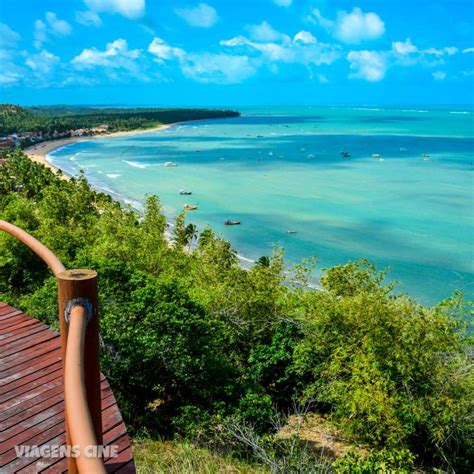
{"type": "Point", "coordinates": [304, 37]}
{"type": "Point", "coordinates": [52, 26]}
{"type": "Point", "coordinates": [9, 78]}
{"type": "Point", "coordinates": [439, 75]}
{"type": "Point", "coordinates": [289, 52]}
{"type": "Point", "coordinates": [88, 18]}
{"type": "Point", "coordinates": [218, 68]}
{"type": "Point", "coordinates": [8, 37]}
{"type": "Point", "coordinates": [451, 50]}
{"type": "Point", "coordinates": [131, 9]}
{"type": "Point", "coordinates": [115, 56]}
{"type": "Point", "coordinates": [263, 32]}
{"type": "Point", "coordinates": [202, 16]}
{"type": "Point", "coordinates": [404, 47]}
{"type": "Point", "coordinates": [406, 53]}
{"type": "Point", "coordinates": [42, 63]}
{"type": "Point", "coordinates": [353, 27]}
{"type": "Point", "coordinates": [163, 52]}
{"type": "Point", "coordinates": [204, 67]}
{"type": "Point", "coordinates": [468, 50]}
{"type": "Point", "coordinates": [368, 65]}
{"type": "Point", "coordinates": [283, 3]}
{"type": "Point", "coordinates": [57, 26]}
{"type": "Point", "coordinates": [39, 34]}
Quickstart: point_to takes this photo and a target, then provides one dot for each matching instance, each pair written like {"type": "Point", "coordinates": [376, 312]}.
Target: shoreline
{"type": "Point", "coordinates": [39, 152]}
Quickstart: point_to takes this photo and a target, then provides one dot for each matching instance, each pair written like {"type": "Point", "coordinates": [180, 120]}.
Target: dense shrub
{"type": "Point", "coordinates": [191, 340]}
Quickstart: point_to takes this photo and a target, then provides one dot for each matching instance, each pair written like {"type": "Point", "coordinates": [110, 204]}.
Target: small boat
{"type": "Point", "coordinates": [425, 156]}
{"type": "Point", "coordinates": [376, 156]}
{"type": "Point", "coordinates": [270, 153]}
{"type": "Point", "coordinates": [170, 164]}
{"type": "Point", "coordinates": [310, 156]}
{"type": "Point", "coordinates": [292, 231]}
{"type": "Point", "coordinates": [345, 154]}
{"type": "Point", "coordinates": [182, 192]}
{"type": "Point", "coordinates": [229, 222]}
{"type": "Point", "coordinates": [190, 207]}
{"type": "Point", "coordinates": [403, 150]}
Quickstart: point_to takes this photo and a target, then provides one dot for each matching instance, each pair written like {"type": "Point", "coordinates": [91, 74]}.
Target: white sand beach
{"type": "Point", "coordinates": [38, 152]}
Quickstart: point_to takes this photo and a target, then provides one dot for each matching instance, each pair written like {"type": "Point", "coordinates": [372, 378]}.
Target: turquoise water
{"type": "Point", "coordinates": [280, 169]}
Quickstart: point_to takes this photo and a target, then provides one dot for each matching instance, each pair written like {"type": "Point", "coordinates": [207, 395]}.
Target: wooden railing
{"type": "Point", "coordinates": [79, 331]}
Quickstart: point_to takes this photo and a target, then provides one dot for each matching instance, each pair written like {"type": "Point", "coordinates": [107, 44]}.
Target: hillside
{"type": "Point", "coordinates": [199, 349]}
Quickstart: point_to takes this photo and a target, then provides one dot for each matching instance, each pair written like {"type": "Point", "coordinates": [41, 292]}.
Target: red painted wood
{"type": "Point", "coordinates": [22, 370]}
{"type": "Point", "coordinates": [27, 379]}
{"type": "Point", "coordinates": [28, 355]}
{"type": "Point", "coordinates": [31, 398]}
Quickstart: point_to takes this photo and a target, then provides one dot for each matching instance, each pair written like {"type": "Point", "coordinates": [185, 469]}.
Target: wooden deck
{"type": "Point", "coordinates": [31, 399]}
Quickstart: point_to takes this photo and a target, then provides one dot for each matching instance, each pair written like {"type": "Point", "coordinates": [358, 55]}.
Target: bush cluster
{"type": "Point", "coordinates": [192, 343]}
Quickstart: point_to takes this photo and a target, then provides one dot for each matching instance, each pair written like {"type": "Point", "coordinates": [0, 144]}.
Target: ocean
{"type": "Point", "coordinates": [280, 169]}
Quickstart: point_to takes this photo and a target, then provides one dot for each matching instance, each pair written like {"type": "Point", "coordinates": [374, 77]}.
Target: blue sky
{"type": "Point", "coordinates": [242, 52]}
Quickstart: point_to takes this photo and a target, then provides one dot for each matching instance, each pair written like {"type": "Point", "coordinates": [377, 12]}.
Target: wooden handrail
{"type": "Point", "coordinates": [79, 330]}
{"type": "Point", "coordinates": [38, 248]}
{"type": "Point", "coordinates": [81, 426]}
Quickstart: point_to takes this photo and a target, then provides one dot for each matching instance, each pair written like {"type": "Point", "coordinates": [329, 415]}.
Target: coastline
{"type": "Point", "coordinates": [39, 152]}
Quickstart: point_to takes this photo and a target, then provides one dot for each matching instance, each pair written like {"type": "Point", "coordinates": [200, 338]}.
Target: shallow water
{"type": "Point", "coordinates": [280, 169]}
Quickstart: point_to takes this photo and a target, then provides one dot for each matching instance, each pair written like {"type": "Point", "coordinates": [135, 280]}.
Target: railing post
{"type": "Point", "coordinates": [79, 287]}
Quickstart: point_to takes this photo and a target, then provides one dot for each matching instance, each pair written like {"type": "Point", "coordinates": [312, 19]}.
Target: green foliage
{"type": "Point", "coordinates": [192, 340]}
{"type": "Point", "coordinates": [383, 461]}
{"type": "Point", "coordinates": [182, 457]}
{"type": "Point", "coordinates": [47, 120]}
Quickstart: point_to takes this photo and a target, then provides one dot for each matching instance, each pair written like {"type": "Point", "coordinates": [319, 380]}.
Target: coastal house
{"type": "Point", "coordinates": [78, 133]}
{"type": "Point", "coordinates": [7, 142]}
{"type": "Point", "coordinates": [100, 129]}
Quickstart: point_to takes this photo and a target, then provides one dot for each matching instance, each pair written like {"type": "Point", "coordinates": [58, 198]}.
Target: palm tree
{"type": "Point", "coordinates": [263, 261]}
{"type": "Point", "coordinates": [191, 233]}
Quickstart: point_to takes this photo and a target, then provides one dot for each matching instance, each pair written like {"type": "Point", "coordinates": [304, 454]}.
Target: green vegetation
{"type": "Point", "coordinates": [197, 348]}
{"type": "Point", "coordinates": [183, 458]}
{"type": "Point", "coordinates": [47, 120]}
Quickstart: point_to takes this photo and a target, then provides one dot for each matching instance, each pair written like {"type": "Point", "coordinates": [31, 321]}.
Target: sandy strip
{"type": "Point", "coordinates": [38, 152]}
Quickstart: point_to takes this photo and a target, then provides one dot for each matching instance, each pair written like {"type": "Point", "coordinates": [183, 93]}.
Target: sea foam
{"type": "Point", "coordinates": [135, 164]}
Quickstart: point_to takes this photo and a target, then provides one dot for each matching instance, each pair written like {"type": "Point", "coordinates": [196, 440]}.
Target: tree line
{"type": "Point", "coordinates": [47, 120]}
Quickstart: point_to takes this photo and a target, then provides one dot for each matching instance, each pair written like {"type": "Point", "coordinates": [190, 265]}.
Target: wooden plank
{"type": "Point", "coordinates": [16, 329]}
{"type": "Point", "coordinates": [25, 465]}
{"type": "Point", "coordinates": [29, 354]}
{"type": "Point", "coordinates": [18, 392]}
{"type": "Point", "coordinates": [32, 411]}
{"type": "Point", "coordinates": [28, 379]}
{"type": "Point", "coordinates": [19, 335]}
{"type": "Point", "coordinates": [32, 341]}
{"type": "Point", "coordinates": [31, 398]}
{"type": "Point", "coordinates": [5, 311]}
{"type": "Point", "coordinates": [6, 314]}
{"type": "Point", "coordinates": [38, 399]}
{"type": "Point", "coordinates": [30, 395]}
{"type": "Point", "coordinates": [12, 319]}
{"type": "Point", "coordinates": [44, 437]}
{"type": "Point", "coordinates": [22, 370]}
{"type": "Point", "coordinates": [33, 431]}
